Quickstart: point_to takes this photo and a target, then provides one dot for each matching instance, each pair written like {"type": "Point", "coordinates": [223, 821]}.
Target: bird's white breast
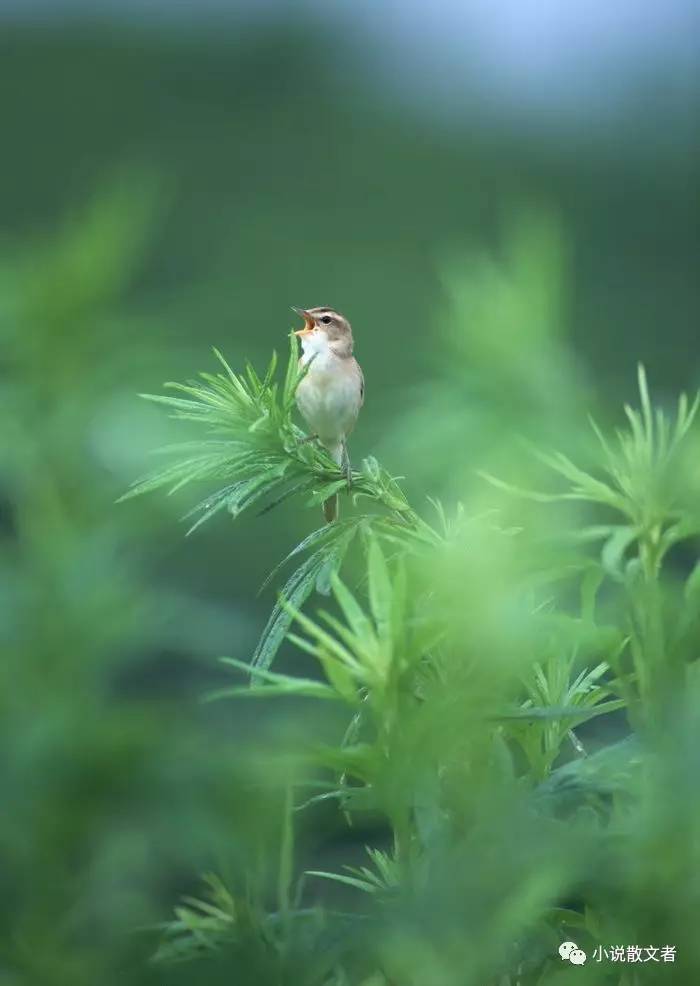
{"type": "Point", "coordinates": [328, 396]}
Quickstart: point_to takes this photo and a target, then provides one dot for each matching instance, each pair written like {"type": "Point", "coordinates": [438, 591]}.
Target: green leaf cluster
{"type": "Point", "coordinates": [471, 667]}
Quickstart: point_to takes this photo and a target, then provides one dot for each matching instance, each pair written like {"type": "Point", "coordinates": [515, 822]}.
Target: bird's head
{"type": "Point", "coordinates": [324, 328]}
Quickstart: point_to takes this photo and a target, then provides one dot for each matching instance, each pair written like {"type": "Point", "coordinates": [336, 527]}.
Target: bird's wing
{"type": "Point", "coordinates": [362, 383]}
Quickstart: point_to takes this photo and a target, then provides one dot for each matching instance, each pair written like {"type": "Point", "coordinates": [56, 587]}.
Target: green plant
{"type": "Point", "coordinates": [467, 669]}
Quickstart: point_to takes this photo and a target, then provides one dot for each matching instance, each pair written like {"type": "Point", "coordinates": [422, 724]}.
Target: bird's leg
{"type": "Point", "coordinates": [308, 438]}
{"type": "Point", "coordinates": [346, 464]}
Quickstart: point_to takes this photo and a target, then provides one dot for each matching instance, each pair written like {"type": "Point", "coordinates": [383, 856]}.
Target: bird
{"type": "Point", "coordinates": [332, 391]}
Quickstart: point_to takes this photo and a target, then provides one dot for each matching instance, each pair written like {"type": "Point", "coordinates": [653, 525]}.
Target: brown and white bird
{"type": "Point", "coordinates": [331, 393]}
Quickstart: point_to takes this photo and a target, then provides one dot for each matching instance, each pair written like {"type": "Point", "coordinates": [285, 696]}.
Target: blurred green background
{"type": "Point", "coordinates": [174, 180]}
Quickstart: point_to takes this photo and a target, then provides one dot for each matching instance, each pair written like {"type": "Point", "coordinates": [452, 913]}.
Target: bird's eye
{"type": "Point", "coordinates": [326, 320]}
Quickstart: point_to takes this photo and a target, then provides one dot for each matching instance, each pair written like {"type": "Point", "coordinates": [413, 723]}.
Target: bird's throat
{"type": "Point", "coordinates": [316, 347]}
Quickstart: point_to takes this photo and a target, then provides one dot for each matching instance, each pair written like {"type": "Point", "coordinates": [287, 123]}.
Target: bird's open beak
{"type": "Point", "coordinates": [308, 321]}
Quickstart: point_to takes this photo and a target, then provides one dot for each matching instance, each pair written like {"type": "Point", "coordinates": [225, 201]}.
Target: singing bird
{"type": "Point", "coordinates": [332, 391]}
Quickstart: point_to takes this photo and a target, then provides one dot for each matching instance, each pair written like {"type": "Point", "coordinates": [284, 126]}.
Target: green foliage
{"type": "Point", "coordinates": [649, 478]}
{"type": "Point", "coordinates": [75, 606]}
{"type": "Point", "coordinates": [470, 672]}
{"type": "Point", "coordinates": [381, 880]}
{"type": "Point", "coordinates": [262, 453]}
{"type": "Point", "coordinates": [118, 787]}
{"type": "Point", "coordinates": [254, 447]}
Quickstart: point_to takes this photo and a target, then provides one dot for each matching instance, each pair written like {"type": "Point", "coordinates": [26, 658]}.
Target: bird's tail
{"type": "Point", "coordinates": [331, 506]}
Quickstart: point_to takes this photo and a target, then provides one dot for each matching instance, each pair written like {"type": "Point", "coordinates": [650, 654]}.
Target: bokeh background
{"type": "Point", "coordinates": [502, 196]}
